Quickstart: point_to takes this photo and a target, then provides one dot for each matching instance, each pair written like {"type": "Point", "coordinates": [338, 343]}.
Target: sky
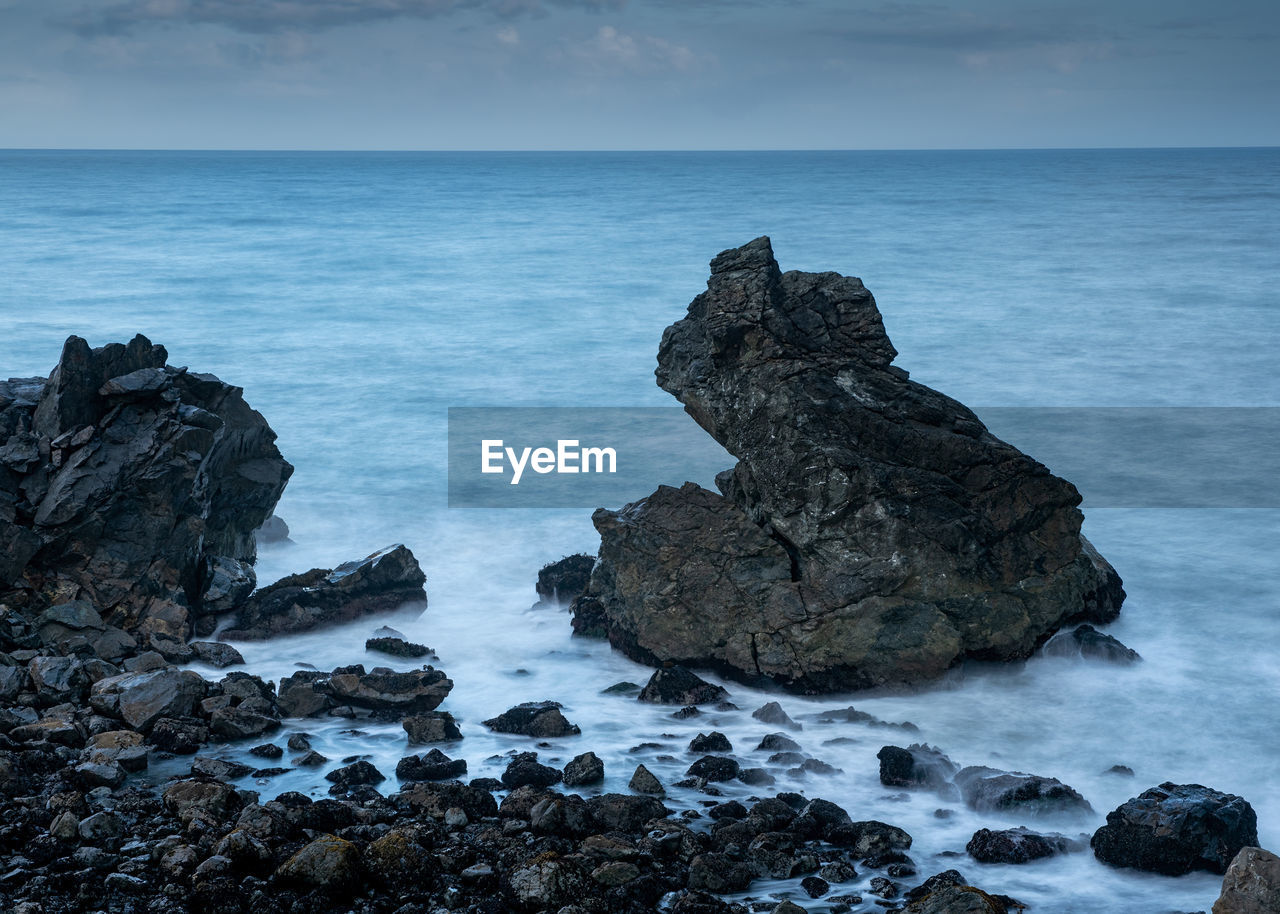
{"type": "Point", "coordinates": [637, 74]}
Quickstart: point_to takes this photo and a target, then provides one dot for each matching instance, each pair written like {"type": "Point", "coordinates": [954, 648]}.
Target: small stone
{"type": "Point", "coordinates": [643, 781]}
{"type": "Point", "coordinates": [773, 715]}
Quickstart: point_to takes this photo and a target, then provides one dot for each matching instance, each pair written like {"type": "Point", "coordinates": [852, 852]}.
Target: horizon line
{"type": "Point", "coordinates": [620, 150]}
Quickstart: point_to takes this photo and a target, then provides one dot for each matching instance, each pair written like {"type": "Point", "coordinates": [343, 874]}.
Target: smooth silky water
{"type": "Point", "coordinates": [356, 297]}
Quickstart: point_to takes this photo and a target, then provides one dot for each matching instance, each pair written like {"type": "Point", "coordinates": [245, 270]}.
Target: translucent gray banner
{"type": "Point", "coordinates": [1118, 457]}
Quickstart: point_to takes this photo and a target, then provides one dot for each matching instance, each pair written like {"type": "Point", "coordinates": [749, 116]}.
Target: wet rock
{"type": "Point", "coordinates": [228, 582]}
{"type": "Point", "coordinates": [872, 532]}
{"type": "Point", "coordinates": [1086, 641]}
{"type": "Point", "coordinates": [241, 723]}
{"type": "Point", "coordinates": [215, 653]}
{"type": "Point", "coordinates": [433, 766]}
{"type": "Point", "coordinates": [1176, 828]}
{"type": "Point", "coordinates": [181, 737]}
{"type": "Point", "coordinates": [328, 862]}
{"type": "Point", "coordinates": [397, 647]}
{"type": "Point", "coordinates": [414, 692]}
{"type": "Point", "coordinates": [961, 899]}
{"type": "Point", "coordinates": [678, 686]}
{"type": "Point", "coordinates": [383, 582]}
{"type": "Point", "coordinates": [773, 715]}
{"type": "Point", "coordinates": [136, 474]}
{"type": "Point", "coordinates": [1252, 884]}
{"type": "Point", "coordinates": [563, 581]}
{"type": "Point", "coordinates": [644, 781]}
{"type": "Point", "coordinates": [219, 769]}
{"type": "Point", "coordinates": [620, 812]}
{"type": "Point", "coordinates": [916, 766]}
{"type": "Point", "coordinates": [1016, 845]}
{"type": "Point", "coordinates": [356, 774]}
{"type": "Point", "coordinates": [273, 530]}
{"type": "Point", "coordinates": [714, 741]}
{"type": "Point", "coordinates": [870, 838]}
{"type": "Point", "coordinates": [719, 873]}
{"type": "Point", "coordinates": [525, 771]}
{"type": "Point", "coordinates": [432, 727]}
{"type": "Point", "coordinates": [991, 790]}
{"type": "Point", "coordinates": [193, 799]}
{"type": "Point", "coordinates": [549, 884]}
{"type": "Point", "coordinates": [57, 680]}
{"type": "Point", "coordinates": [584, 770]}
{"type": "Point", "coordinates": [267, 750]}
{"type": "Point", "coordinates": [815, 886]}
{"type": "Point", "coordinates": [540, 719]}
{"type": "Point", "coordinates": [777, 742]}
{"type": "Point", "coordinates": [141, 699]}
{"type": "Point", "coordinates": [714, 768]}
{"type": "Point", "coordinates": [311, 759]}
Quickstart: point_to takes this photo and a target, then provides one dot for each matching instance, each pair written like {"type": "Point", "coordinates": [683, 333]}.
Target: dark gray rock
{"type": "Point", "coordinates": [541, 719]}
{"type": "Point", "coordinates": [397, 647]}
{"type": "Point", "coordinates": [433, 766]}
{"type": "Point", "coordinates": [714, 768]}
{"type": "Point", "coordinates": [129, 479]}
{"type": "Point", "coordinates": [1086, 641]}
{"type": "Point", "coordinates": [1251, 885]}
{"type": "Point", "coordinates": [1017, 845]}
{"type": "Point", "coordinates": [1176, 828]}
{"type": "Point", "coordinates": [714, 741]}
{"type": "Point", "coordinates": [991, 790]}
{"type": "Point", "coordinates": [215, 653]}
{"type": "Point", "coordinates": [526, 771]}
{"type": "Point", "coordinates": [773, 715]}
{"type": "Point", "coordinates": [872, 532]}
{"type": "Point", "coordinates": [432, 727]}
{"type": "Point", "coordinates": [644, 781]}
{"type": "Point", "coordinates": [141, 699]}
{"type": "Point", "coordinates": [584, 770]}
{"type": "Point", "coordinates": [561, 582]}
{"type": "Point", "coordinates": [916, 766]}
{"type": "Point", "coordinates": [678, 686]}
{"type": "Point", "coordinates": [383, 582]}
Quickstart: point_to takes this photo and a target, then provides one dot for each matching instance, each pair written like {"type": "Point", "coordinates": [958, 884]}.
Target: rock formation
{"type": "Point", "coordinates": [132, 485]}
{"type": "Point", "coordinates": [872, 532]}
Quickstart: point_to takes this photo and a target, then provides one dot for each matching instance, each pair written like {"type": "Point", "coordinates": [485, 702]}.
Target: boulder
{"type": "Point", "coordinates": [141, 699]}
{"type": "Point", "coordinates": [328, 862]}
{"type": "Point", "coordinates": [215, 653]}
{"type": "Point", "coordinates": [678, 686]}
{"type": "Point", "coordinates": [992, 790]}
{"type": "Point", "coordinates": [129, 478]}
{"type": "Point", "coordinates": [1086, 641]}
{"type": "Point", "coordinates": [1252, 884]}
{"type": "Point", "coordinates": [396, 647]}
{"type": "Point", "coordinates": [561, 582]}
{"type": "Point", "coordinates": [916, 766]}
{"type": "Point", "coordinates": [583, 770]}
{"type": "Point", "coordinates": [433, 766]}
{"type": "Point", "coordinates": [526, 771]}
{"type": "Point", "coordinates": [431, 727]}
{"type": "Point", "coordinates": [533, 718]}
{"type": "Point", "coordinates": [415, 692]}
{"type": "Point", "coordinates": [872, 532]}
{"type": "Point", "coordinates": [644, 781]}
{"type": "Point", "coordinates": [715, 741]}
{"type": "Point", "coordinates": [1176, 828]}
{"type": "Point", "coordinates": [1016, 845]}
{"type": "Point", "coordinates": [380, 583]}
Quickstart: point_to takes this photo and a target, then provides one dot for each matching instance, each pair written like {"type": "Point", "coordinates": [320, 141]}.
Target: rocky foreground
{"type": "Point", "coordinates": [132, 495]}
{"type": "Point", "coordinates": [873, 532]}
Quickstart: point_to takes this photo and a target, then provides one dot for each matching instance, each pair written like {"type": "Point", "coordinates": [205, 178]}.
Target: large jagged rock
{"type": "Point", "coordinates": [124, 480]}
{"type": "Point", "coordinates": [872, 532]}
{"type": "Point", "coordinates": [383, 582]}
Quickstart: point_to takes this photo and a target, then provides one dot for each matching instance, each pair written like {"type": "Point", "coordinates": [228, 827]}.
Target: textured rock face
{"type": "Point", "coordinates": [124, 481]}
{"type": "Point", "coordinates": [1252, 884]}
{"type": "Point", "coordinates": [872, 532]}
{"type": "Point", "coordinates": [1176, 828]}
{"type": "Point", "coordinates": [379, 583]}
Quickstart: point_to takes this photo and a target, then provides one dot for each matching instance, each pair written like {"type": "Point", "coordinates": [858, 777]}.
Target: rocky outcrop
{"type": "Point", "coordinates": [383, 582]}
{"type": "Point", "coordinates": [872, 532]}
{"type": "Point", "coordinates": [563, 581]}
{"type": "Point", "coordinates": [1252, 884]}
{"type": "Point", "coordinates": [1176, 828]}
{"type": "Point", "coordinates": [133, 486]}
{"type": "Point", "coordinates": [381, 693]}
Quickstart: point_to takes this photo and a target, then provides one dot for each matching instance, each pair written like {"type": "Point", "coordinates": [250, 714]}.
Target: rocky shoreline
{"type": "Point", "coordinates": [132, 498]}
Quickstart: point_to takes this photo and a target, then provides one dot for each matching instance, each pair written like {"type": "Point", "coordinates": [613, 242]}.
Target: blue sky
{"type": "Point", "coordinates": [637, 74]}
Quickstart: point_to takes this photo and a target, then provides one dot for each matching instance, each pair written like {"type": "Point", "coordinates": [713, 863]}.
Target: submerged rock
{"type": "Point", "coordinates": [992, 790]}
{"type": "Point", "coordinates": [916, 766]}
{"type": "Point", "coordinates": [1017, 845]}
{"type": "Point", "coordinates": [1086, 641]}
{"type": "Point", "coordinates": [1176, 828]}
{"type": "Point", "coordinates": [383, 582]}
{"type": "Point", "coordinates": [533, 718]}
{"type": "Point", "coordinates": [873, 531]}
{"type": "Point", "coordinates": [679, 686]}
{"type": "Point", "coordinates": [125, 481]}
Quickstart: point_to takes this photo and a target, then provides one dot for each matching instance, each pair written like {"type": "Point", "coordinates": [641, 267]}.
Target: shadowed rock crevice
{"type": "Point", "coordinates": [873, 532]}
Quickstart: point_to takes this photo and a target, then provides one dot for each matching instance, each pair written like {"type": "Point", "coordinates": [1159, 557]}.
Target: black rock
{"type": "Point", "coordinates": [991, 790]}
{"type": "Point", "coordinates": [525, 771]}
{"type": "Point", "coordinates": [397, 647]}
{"type": "Point", "coordinates": [1176, 828]}
{"type": "Point", "coordinates": [1086, 641]}
{"type": "Point", "coordinates": [431, 727]}
{"type": "Point", "coordinates": [872, 532]}
{"type": "Point", "coordinates": [916, 766]}
{"type": "Point", "coordinates": [714, 741]}
{"type": "Point", "coordinates": [679, 686]}
{"type": "Point", "coordinates": [773, 715]}
{"type": "Point", "coordinates": [267, 750]}
{"type": "Point", "coordinates": [385, 581]}
{"type": "Point", "coordinates": [563, 581]}
{"type": "Point", "coordinates": [1016, 845]}
{"type": "Point", "coordinates": [815, 886]}
{"type": "Point", "coordinates": [354, 775]}
{"type": "Point", "coordinates": [583, 770]}
{"type": "Point", "coordinates": [540, 719]}
{"type": "Point", "coordinates": [433, 766]}
{"type": "Point", "coordinates": [777, 742]}
{"type": "Point", "coordinates": [714, 768]}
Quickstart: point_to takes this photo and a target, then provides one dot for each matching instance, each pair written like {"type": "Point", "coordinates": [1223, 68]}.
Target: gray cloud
{"type": "Point", "coordinates": [259, 17]}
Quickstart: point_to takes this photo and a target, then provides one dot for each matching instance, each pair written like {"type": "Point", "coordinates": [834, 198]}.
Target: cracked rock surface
{"type": "Point", "coordinates": [873, 532]}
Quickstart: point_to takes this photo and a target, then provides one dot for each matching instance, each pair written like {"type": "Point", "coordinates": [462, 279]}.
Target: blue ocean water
{"type": "Point", "coordinates": [356, 297]}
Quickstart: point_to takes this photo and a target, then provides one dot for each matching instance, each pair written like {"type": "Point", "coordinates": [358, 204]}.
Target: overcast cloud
{"type": "Point", "coordinates": [637, 74]}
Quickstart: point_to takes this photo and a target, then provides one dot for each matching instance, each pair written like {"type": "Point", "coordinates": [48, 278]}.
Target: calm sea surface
{"type": "Point", "coordinates": [357, 296]}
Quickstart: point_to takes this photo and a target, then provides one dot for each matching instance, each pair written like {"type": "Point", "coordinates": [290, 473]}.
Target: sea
{"type": "Point", "coordinates": [356, 297]}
